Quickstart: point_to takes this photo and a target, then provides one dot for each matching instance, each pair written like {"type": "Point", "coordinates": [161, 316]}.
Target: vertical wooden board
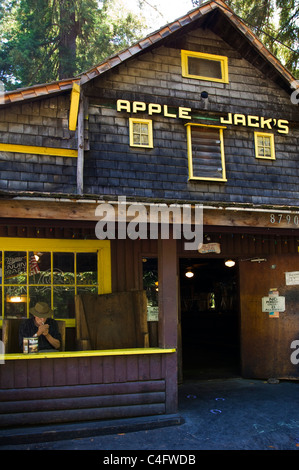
{"type": "Point", "coordinates": [120, 367]}
{"type": "Point", "coordinates": [171, 405]}
{"type": "Point", "coordinates": [155, 367]}
{"type": "Point", "coordinates": [108, 370]}
{"type": "Point", "coordinates": [132, 368]}
{"type": "Point", "coordinates": [20, 374]}
{"type": "Point", "coordinates": [7, 375]}
{"type": "Point", "coordinates": [96, 370]}
{"type": "Point", "coordinates": [47, 372]}
{"type": "Point", "coordinates": [72, 372]}
{"type": "Point", "coordinates": [143, 367]}
{"type": "Point", "coordinates": [59, 371]}
{"type": "Point", "coordinates": [84, 370]}
{"type": "Point", "coordinates": [34, 372]}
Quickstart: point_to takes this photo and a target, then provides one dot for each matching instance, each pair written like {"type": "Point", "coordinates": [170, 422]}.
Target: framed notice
{"type": "Point", "coordinates": [292, 278]}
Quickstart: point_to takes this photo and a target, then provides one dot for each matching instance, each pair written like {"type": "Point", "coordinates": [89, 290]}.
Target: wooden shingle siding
{"type": "Point", "coordinates": [42, 124]}
{"type": "Point", "coordinates": [115, 168]}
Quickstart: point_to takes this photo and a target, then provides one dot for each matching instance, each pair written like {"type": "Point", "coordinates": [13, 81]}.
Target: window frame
{"type": "Point", "coordinates": [202, 55]}
{"type": "Point", "coordinates": [149, 124]}
{"type": "Point", "coordinates": [190, 160]}
{"type": "Point", "coordinates": [101, 247]}
{"type": "Point", "coordinates": [258, 134]}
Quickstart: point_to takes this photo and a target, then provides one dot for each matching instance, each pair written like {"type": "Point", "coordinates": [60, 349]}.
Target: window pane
{"type": "Point", "coordinates": [144, 140]}
{"type": "Point", "coordinates": [15, 267]}
{"type": "Point", "coordinates": [204, 67]}
{"type": "Point", "coordinates": [15, 302]}
{"type": "Point", "coordinates": [63, 268]}
{"type": "Point", "coordinates": [87, 290]}
{"type": "Point", "coordinates": [39, 268]}
{"type": "Point", "coordinates": [39, 294]}
{"type": "Point", "coordinates": [64, 302]}
{"type": "Point", "coordinates": [87, 268]}
{"type": "Point", "coordinates": [136, 139]}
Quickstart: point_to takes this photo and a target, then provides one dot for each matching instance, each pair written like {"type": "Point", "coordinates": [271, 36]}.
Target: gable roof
{"type": "Point", "coordinates": [213, 14]}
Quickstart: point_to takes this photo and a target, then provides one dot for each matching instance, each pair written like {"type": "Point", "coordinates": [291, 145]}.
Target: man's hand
{"type": "Point", "coordinates": [43, 330]}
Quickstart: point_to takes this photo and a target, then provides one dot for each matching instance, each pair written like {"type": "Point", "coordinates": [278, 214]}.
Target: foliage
{"type": "Point", "coordinates": [276, 23]}
{"type": "Point", "coordinates": [47, 40]}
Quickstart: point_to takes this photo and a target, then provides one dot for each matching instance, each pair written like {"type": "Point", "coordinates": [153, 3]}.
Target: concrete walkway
{"type": "Point", "coordinates": [222, 414]}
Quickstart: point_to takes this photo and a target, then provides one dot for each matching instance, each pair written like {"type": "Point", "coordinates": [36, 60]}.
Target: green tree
{"type": "Point", "coordinates": [45, 40]}
{"type": "Point", "coordinates": [276, 23]}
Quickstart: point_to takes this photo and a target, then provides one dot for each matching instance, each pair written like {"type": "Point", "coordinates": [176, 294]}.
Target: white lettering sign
{"type": "Point", "coordinates": [292, 279]}
{"type": "Point", "coordinates": [273, 304]}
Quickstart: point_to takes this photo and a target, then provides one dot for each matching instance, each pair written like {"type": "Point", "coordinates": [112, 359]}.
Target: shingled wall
{"type": "Point", "coordinates": [42, 123]}
{"type": "Point", "coordinates": [113, 167]}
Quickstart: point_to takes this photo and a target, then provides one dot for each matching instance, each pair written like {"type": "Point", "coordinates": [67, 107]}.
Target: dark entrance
{"type": "Point", "coordinates": [209, 319]}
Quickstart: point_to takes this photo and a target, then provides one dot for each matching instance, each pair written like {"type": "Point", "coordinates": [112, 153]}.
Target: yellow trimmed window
{"type": "Point", "coordinates": [141, 133]}
{"type": "Point", "coordinates": [206, 152]}
{"type": "Point", "coordinates": [52, 271]}
{"type": "Point", "coordinates": [264, 145]}
{"type": "Point", "coordinates": [204, 66]}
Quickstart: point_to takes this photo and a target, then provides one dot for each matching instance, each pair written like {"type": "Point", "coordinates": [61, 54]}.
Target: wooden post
{"type": "Point", "coordinates": [80, 162]}
{"type": "Point", "coordinates": [168, 316]}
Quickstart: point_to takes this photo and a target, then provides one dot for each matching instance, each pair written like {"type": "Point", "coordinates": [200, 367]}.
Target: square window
{"type": "Point", "coordinates": [264, 145]}
{"type": "Point", "coordinates": [206, 153]}
{"type": "Point", "coordinates": [141, 133]}
{"type": "Point", "coordinates": [204, 66]}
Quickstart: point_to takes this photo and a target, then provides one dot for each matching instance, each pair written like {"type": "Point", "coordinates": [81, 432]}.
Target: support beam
{"type": "Point", "coordinates": [80, 162]}
{"type": "Point", "coordinates": [168, 315]}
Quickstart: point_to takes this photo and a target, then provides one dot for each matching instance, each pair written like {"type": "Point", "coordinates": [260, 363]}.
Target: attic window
{"type": "Point", "coordinates": [141, 133]}
{"type": "Point", "coordinates": [206, 152]}
{"type": "Point", "coordinates": [204, 66]}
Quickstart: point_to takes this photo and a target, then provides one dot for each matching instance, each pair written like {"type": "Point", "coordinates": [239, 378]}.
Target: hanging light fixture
{"type": "Point", "coordinates": [230, 263]}
{"type": "Point", "coordinates": [189, 273]}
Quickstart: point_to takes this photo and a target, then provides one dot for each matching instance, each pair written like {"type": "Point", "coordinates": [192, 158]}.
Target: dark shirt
{"type": "Point", "coordinates": [28, 329]}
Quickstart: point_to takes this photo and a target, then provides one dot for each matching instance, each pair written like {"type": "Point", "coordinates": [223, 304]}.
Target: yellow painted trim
{"type": "Point", "coordinates": [101, 247]}
{"type": "Point", "coordinates": [108, 352]}
{"type": "Point", "coordinates": [149, 123]}
{"type": "Point", "coordinates": [272, 145]}
{"type": "Point", "coordinates": [189, 150]}
{"type": "Point", "coordinates": [201, 55]}
{"type": "Point", "coordinates": [55, 152]}
{"type": "Point", "coordinates": [74, 108]}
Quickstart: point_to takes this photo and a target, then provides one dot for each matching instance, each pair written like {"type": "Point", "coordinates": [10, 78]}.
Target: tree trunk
{"type": "Point", "coordinates": [68, 36]}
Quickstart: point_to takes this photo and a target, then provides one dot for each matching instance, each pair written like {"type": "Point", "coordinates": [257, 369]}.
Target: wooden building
{"type": "Point", "coordinates": [199, 114]}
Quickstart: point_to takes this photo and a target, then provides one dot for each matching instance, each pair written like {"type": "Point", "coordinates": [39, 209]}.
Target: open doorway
{"type": "Point", "coordinates": [209, 319]}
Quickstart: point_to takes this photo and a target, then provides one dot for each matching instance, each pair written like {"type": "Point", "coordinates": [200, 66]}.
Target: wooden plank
{"type": "Point", "coordinates": [34, 373]}
{"type": "Point", "coordinates": [108, 370]}
{"type": "Point", "coordinates": [21, 375]}
{"type": "Point", "coordinates": [47, 373]}
{"type": "Point", "coordinates": [229, 217]}
{"type": "Point", "coordinates": [80, 162]}
{"type": "Point", "coordinates": [89, 414]}
{"type": "Point", "coordinates": [96, 370]}
{"type": "Point", "coordinates": [29, 149]}
{"type": "Point", "coordinates": [81, 390]}
{"type": "Point", "coordinates": [83, 402]}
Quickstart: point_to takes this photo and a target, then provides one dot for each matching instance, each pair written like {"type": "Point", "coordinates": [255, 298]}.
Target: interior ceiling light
{"type": "Point", "coordinates": [230, 263]}
{"type": "Point", "coordinates": [189, 273]}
